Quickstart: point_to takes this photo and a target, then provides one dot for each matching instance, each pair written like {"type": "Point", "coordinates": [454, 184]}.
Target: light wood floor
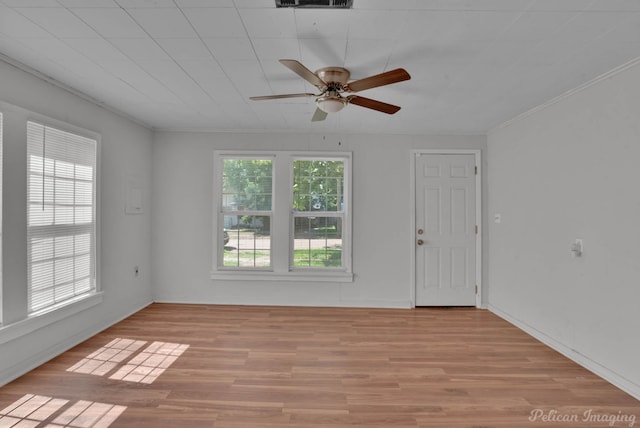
{"type": "Point", "coordinates": [250, 367]}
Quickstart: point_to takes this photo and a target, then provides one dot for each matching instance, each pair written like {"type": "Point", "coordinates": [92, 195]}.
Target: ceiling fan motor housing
{"type": "Point", "coordinates": [334, 75]}
{"type": "Point", "coordinates": [330, 4]}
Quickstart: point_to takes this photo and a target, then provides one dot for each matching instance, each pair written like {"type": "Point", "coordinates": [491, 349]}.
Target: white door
{"type": "Point", "coordinates": [445, 230]}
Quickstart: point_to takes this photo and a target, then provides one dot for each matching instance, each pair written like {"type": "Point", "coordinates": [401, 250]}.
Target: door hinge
{"type": "Point", "coordinates": [476, 289]}
{"type": "Point", "coordinates": [476, 169]}
{"type": "Point", "coordinates": [476, 229]}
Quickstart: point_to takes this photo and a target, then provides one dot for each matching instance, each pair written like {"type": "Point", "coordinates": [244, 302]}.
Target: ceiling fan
{"type": "Point", "coordinates": [332, 82]}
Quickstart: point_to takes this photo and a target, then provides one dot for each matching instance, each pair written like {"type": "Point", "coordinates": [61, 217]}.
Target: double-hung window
{"type": "Point", "coordinates": [247, 211]}
{"type": "Point", "coordinates": [282, 215]}
{"type": "Point", "coordinates": [61, 216]}
{"type": "Point", "coordinates": [318, 213]}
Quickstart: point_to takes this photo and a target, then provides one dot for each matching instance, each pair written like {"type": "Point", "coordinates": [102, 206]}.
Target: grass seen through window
{"type": "Point", "coordinates": [323, 249]}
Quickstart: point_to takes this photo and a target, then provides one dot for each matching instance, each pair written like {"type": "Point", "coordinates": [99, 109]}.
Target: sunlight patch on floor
{"type": "Point", "coordinates": [150, 363]}
{"type": "Point", "coordinates": [34, 410]}
{"type": "Point", "coordinates": [105, 359]}
{"type": "Point", "coordinates": [119, 358]}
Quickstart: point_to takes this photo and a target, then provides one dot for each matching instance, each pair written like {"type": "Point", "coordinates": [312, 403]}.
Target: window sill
{"type": "Point", "coordinates": [312, 276]}
{"type": "Point", "coordinates": [42, 319]}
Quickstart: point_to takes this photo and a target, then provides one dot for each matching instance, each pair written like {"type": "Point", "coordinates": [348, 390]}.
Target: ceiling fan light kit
{"type": "Point", "coordinates": [332, 82]}
{"type": "Point", "coordinates": [329, 104]}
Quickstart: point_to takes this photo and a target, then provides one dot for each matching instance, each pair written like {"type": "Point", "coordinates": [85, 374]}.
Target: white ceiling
{"type": "Point", "coordinates": [193, 64]}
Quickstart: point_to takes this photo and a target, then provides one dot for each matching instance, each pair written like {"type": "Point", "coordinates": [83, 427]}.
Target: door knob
{"type": "Point", "coordinates": [420, 242]}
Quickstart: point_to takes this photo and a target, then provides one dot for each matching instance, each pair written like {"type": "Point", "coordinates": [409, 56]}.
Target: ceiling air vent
{"type": "Point", "coordinates": [325, 4]}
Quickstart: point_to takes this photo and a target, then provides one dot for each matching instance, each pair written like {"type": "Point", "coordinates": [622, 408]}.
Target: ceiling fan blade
{"type": "Point", "coordinates": [372, 104]}
{"type": "Point", "coordinates": [386, 78]}
{"type": "Point", "coordinates": [276, 97]}
{"type": "Point", "coordinates": [304, 72]}
{"type": "Point", "coordinates": [319, 115]}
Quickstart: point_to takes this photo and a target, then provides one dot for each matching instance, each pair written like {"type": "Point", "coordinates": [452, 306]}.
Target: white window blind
{"type": "Point", "coordinates": [61, 218]}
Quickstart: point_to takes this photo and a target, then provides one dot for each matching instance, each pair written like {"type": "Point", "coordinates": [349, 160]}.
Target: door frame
{"type": "Point", "coordinates": [412, 223]}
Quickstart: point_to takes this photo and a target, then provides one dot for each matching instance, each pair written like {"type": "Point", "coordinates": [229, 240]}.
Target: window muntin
{"type": "Point", "coordinates": [61, 216]}
{"type": "Point", "coordinates": [247, 211]}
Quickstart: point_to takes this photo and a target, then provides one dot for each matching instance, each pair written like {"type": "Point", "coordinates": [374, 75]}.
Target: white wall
{"type": "Point", "coordinates": [570, 170]}
{"type": "Point", "coordinates": [382, 236]}
{"type": "Point", "coordinates": [126, 150]}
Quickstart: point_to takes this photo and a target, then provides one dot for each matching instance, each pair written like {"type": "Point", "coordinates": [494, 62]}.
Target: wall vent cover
{"type": "Point", "coordinates": [325, 4]}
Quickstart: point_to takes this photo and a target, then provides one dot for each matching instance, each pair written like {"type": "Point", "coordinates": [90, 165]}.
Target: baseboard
{"type": "Point", "coordinates": [614, 378]}
{"type": "Point", "coordinates": [11, 373]}
{"type": "Point", "coordinates": [373, 304]}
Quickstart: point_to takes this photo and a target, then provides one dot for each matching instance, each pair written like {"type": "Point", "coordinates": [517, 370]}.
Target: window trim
{"type": "Point", "coordinates": [43, 318]}
{"type": "Point", "coordinates": [94, 296]}
{"type": "Point", "coordinates": [281, 268]}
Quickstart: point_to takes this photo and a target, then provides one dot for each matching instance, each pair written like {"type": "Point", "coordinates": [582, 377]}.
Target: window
{"type": "Point", "coordinates": [318, 213]}
{"type": "Point", "coordinates": [282, 215]}
{"type": "Point", "coordinates": [247, 211]}
{"type": "Point", "coordinates": [61, 216]}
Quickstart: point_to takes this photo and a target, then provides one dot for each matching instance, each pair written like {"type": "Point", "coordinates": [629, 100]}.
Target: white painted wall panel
{"type": "Point", "coordinates": [566, 171]}
{"type": "Point", "coordinates": [126, 152]}
{"type": "Point", "coordinates": [382, 235]}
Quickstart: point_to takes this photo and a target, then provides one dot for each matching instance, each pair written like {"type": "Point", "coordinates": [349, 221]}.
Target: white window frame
{"type": "Point", "coordinates": [282, 221]}
{"type": "Point", "coordinates": [94, 295]}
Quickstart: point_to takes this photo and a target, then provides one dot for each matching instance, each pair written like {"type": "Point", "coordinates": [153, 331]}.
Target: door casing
{"type": "Point", "coordinates": [412, 223]}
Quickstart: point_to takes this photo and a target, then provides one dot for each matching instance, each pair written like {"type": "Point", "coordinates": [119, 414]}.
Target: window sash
{"type": "Point", "coordinates": [251, 198]}
{"type": "Point", "coordinates": [317, 250]}
{"type": "Point", "coordinates": [251, 251]}
{"type": "Point", "coordinates": [61, 216]}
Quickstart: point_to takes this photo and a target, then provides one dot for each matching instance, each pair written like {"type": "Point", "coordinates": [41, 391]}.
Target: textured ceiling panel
{"type": "Point", "coordinates": [193, 64]}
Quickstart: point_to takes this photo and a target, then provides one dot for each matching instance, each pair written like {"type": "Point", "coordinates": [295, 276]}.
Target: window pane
{"type": "Point", "coordinates": [318, 185]}
{"type": "Point", "coordinates": [248, 241]}
{"type": "Point", "coordinates": [317, 242]}
{"type": "Point", "coordinates": [246, 184]}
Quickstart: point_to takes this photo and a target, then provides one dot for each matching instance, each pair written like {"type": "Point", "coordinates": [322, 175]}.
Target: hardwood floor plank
{"type": "Point", "coordinates": [268, 367]}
